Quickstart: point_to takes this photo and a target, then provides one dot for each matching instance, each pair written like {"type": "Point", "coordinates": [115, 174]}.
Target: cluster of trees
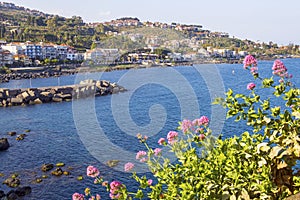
{"type": "Point", "coordinates": [21, 26]}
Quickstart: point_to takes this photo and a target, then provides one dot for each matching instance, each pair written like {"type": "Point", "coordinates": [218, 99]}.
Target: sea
{"type": "Point", "coordinates": [95, 131]}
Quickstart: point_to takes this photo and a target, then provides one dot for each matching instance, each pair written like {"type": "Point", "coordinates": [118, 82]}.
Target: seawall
{"type": "Point", "coordinates": [30, 96]}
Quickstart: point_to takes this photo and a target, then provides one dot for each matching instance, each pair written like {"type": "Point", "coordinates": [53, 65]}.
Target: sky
{"type": "Point", "coordinates": [257, 20]}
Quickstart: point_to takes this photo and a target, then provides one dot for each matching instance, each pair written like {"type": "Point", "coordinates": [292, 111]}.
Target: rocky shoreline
{"type": "Point", "coordinates": [4, 78]}
{"type": "Point", "coordinates": [30, 96]}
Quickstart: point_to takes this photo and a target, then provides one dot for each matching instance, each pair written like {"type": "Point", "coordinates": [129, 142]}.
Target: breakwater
{"type": "Point", "coordinates": [4, 78]}
{"type": "Point", "coordinates": [30, 96]}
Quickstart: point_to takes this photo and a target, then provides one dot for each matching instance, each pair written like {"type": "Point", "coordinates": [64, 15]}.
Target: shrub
{"type": "Point", "coordinates": [256, 165]}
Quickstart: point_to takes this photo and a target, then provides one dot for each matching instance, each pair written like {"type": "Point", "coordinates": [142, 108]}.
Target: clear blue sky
{"type": "Point", "coordinates": [258, 20]}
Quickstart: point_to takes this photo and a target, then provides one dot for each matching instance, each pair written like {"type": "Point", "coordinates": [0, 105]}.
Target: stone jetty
{"type": "Point", "coordinates": [33, 75]}
{"type": "Point", "coordinates": [30, 96]}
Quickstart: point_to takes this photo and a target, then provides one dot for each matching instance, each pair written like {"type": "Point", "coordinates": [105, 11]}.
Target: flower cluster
{"type": "Point", "coordinates": [251, 86]}
{"type": "Point", "coordinates": [128, 167]}
{"type": "Point", "coordinates": [162, 141]}
{"type": "Point", "coordinates": [92, 172]}
{"type": "Point", "coordinates": [142, 138]}
{"type": "Point", "coordinates": [172, 137]}
{"type": "Point", "coordinates": [251, 62]}
{"type": "Point", "coordinates": [202, 121]}
{"type": "Point", "coordinates": [142, 156]}
{"type": "Point", "coordinates": [196, 126]}
{"type": "Point", "coordinates": [279, 69]}
{"type": "Point", "coordinates": [186, 125]}
{"type": "Point", "coordinates": [115, 188]}
{"type": "Point", "coordinates": [157, 151]}
{"type": "Point", "coordinates": [149, 182]}
{"type": "Point", "coordinates": [77, 196]}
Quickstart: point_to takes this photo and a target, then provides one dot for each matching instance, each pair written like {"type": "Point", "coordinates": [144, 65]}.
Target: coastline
{"type": "Point", "coordinates": [57, 71]}
{"type": "Point", "coordinates": [48, 71]}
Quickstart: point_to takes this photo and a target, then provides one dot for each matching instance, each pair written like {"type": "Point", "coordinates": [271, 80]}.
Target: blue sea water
{"type": "Point", "coordinates": [95, 130]}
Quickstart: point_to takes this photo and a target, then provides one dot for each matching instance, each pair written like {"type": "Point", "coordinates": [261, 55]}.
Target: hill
{"type": "Point", "coordinates": [19, 24]}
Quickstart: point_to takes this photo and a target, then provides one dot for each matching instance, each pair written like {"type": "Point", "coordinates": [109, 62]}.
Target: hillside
{"type": "Point", "coordinates": [19, 24]}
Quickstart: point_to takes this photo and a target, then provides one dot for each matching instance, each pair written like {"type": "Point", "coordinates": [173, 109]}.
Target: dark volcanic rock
{"type": "Point", "coordinates": [4, 145]}
{"type": "Point", "coordinates": [47, 167]}
{"type": "Point", "coordinates": [2, 194]}
{"type": "Point", "coordinates": [22, 191]}
{"type": "Point", "coordinates": [12, 195]}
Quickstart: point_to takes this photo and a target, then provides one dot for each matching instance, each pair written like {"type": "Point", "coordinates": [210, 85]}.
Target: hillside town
{"type": "Point", "coordinates": [122, 41]}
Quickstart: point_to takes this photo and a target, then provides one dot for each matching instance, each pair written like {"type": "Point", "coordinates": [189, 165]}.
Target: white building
{"type": "Point", "coordinates": [6, 58]}
{"type": "Point", "coordinates": [75, 56]}
{"type": "Point", "coordinates": [14, 48]}
{"type": "Point", "coordinates": [62, 51]}
{"type": "Point", "coordinates": [104, 56]}
{"type": "Point", "coordinates": [32, 50]}
{"type": "Point", "coordinates": [243, 53]}
{"type": "Point", "coordinates": [48, 51]}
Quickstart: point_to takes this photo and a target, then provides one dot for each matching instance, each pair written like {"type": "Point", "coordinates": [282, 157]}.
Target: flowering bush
{"type": "Point", "coordinates": [256, 165]}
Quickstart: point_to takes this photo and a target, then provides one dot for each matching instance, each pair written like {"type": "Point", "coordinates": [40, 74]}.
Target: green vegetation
{"type": "Point", "coordinates": [23, 26]}
{"type": "Point", "coordinates": [259, 164]}
{"type": "Point", "coordinates": [19, 24]}
{"type": "Point", "coordinates": [163, 34]}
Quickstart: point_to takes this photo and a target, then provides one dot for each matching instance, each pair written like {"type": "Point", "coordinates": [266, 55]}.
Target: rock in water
{"type": "Point", "coordinates": [22, 191]}
{"type": "Point", "coordinates": [4, 145]}
{"type": "Point", "coordinates": [12, 133]}
{"type": "Point", "coordinates": [57, 172]}
{"type": "Point", "coordinates": [47, 167]}
{"type": "Point", "coordinates": [2, 194]}
{"type": "Point", "coordinates": [12, 182]}
{"type": "Point", "coordinates": [11, 195]}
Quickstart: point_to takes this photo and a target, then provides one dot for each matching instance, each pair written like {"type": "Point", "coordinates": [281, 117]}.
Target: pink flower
{"type": "Point", "coordinates": [98, 197]}
{"type": "Point", "coordinates": [92, 171]}
{"type": "Point", "coordinates": [251, 86]}
{"type": "Point", "coordinates": [157, 151]}
{"type": "Point", "coordinates": [161, 141]}
{"type": "Point", "coordinates": [279, 69]}
{"type": "Point", "coordinates": [77, 196]}
{"type": "Point", "coordinates": [114, 196]}
{"type": "Point", "coordinates": [96, 181]}
{"type": "Point", "coordinates": [140, 155]}
{"type": "Point", "coordinates": [201, 136]}
{"type": "Point", "coordinates": [186, 125]}
{"type": "Point", "coordinates": [254, 70]}
{"type": "Point", "coordinates": [143, 160]}
{"type": "Point", "coordinates": [115, 186]}
{"type": "Point", "coordinates": [172, 137]}
{"type": "Point", "coordinates": [201, 121]}
{"type": "Point", "coordinates": [128, 167]}
{"type": "Point", "coordinates": [249, 61]}
{"type": "Point", "coordinates": [149, 182]}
